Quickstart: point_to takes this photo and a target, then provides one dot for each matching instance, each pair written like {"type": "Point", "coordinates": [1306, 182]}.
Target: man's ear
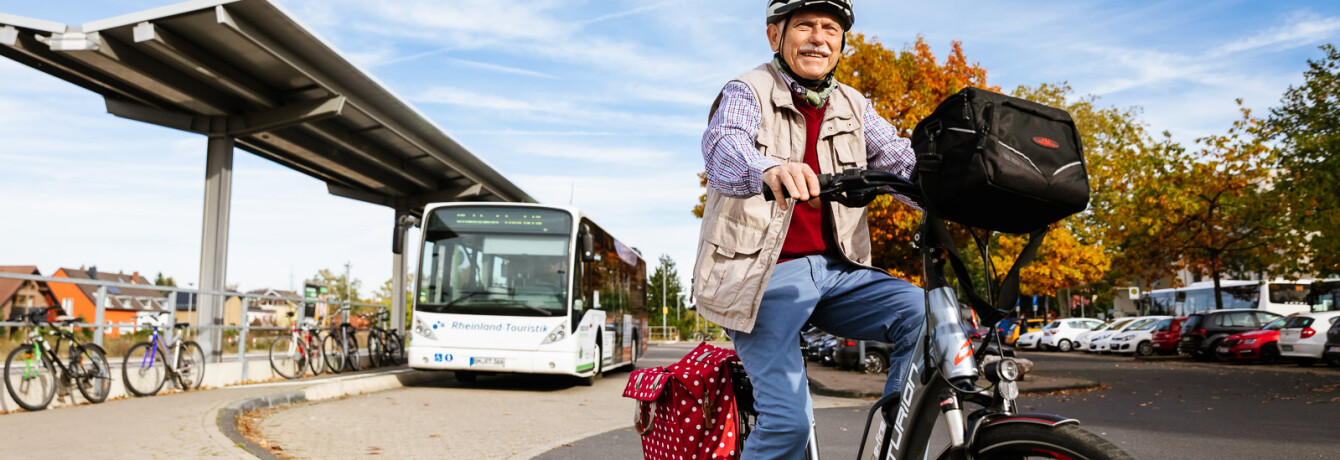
{"type": "Point", "coordinates": [775, 36]}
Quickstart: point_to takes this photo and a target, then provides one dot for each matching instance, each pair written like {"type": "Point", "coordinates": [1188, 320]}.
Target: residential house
{"type": "Point", "coordinates": [18, 297]}
{"type": "Point", "coordinates": [269, 311]}
{"type": "Point", "coordinates": [126, 306]}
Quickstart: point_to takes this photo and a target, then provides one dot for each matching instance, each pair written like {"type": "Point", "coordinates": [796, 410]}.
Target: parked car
{"type": "Point", "coordinates": [1138, 338]}
{"type": "Point", "coordinates": [1204, 330]}
{"type": "Point", "coordinates": [1098, 339]}
{"type": "Point", "coordinates": [1029, 340]}
{"type": "Point", "coordinates": [1014, 328]}
{"type": "Point", "coordinates": [847, 354]}
{"type": "Point", "coordinates": [1259, 345]}
{"type": "Point", "coordinates": [1061, 333]}
{"type": "Point", "coordinates": [1166, 336]}
{"type": "Point", "coordinates": [1299, 339]}
{"type": "Point", "coordinates": [826, 348]}
{"type": "Point", "coordinates": [1082, 340]}
{"type": "Point", "coordinates": [1332, 352]}
{"type": "Point", "coordinates": [813, 340]}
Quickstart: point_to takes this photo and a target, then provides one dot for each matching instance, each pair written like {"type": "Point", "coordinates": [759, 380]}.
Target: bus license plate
{"type": "Point", "coordinates": [486, 362]}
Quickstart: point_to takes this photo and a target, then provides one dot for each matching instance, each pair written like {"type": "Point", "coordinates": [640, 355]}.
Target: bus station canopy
{"type": "Point", "coordinates": [246, 70]}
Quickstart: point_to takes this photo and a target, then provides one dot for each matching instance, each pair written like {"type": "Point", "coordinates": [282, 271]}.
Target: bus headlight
{"type": "Point", "coordinates": [559, 333]}
{"type": "Point", "coordinates": [424, 330]}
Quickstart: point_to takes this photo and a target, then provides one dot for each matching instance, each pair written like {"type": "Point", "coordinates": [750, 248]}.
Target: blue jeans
{"type": "Point", "coordinates": [842, 299]}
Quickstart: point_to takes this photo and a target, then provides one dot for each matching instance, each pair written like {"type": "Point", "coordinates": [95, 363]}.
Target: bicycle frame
{"type": "Point", "coordinates": [943, 363]}
{"type": "Point", "coordinates": [170, 363]}
{"type": "Point", "coordinates": [40, 349]}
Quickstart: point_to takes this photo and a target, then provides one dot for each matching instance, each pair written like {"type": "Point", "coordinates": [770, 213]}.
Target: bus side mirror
{"type": "Point", "coordinates": [588, 242]}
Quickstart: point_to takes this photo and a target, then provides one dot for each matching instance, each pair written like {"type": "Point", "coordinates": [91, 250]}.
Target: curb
{"type": "Point", "coordinates": [821, 389]}
{"type": "Point", "coordinates": [318, 391]}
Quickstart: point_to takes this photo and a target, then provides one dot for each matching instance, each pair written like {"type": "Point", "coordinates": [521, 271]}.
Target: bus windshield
{"type": "Point", "coordinates": [495, 261]}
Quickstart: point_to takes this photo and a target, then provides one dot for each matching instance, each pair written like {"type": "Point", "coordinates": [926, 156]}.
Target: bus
{"type": "Point", "coordinates": [525, 288]}
{"type": "Point", "coordinates": [1278, 296]}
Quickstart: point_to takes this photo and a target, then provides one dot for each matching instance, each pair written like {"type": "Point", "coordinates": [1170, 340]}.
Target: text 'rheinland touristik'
{"type": "Point", "coordinates": [497, 327]}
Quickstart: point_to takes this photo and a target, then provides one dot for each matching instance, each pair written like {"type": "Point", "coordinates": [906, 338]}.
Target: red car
{"type": "Point", "coordinates": [1166, 337]}
{"type": "Point", "coordinates": [1259, 345]}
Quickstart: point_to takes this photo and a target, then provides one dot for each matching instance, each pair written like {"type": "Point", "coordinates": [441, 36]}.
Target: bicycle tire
{"type": "Point", "coordinates": [350, 345]}
{"type": "Point", "coordinates": [287, 358]}
{"type": "Point", "coordinates": [376, 347]}
{"type": "Point", "coordinates": [190, 366]}
{"type": "Point", "coordinates": [33, 387]}
{"type": "Point", "coordinates": [143, 376]}
{"type": "Point", "coordinates": [94, 375]}
{"type": "Point", "coordinates": [395, 349]}
{"type": "Point", "coordinates": [316, 358]}
{"type": "Point", "coordinates": [334, 352]}
{"type": "Point", "coordinates": [1026, 440]}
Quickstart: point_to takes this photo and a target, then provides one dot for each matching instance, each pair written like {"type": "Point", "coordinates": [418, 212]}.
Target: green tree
{"type": "Point", "coordinates": [385, 293]}
{"type": "Point", "coordinates": [664, 287]}
{"type": "Point", "coordinates": [161, 281]}
{"type": "Point", "coordinates": [339, 285]}
{"type": "Point", "coordinates": [1308, 180]}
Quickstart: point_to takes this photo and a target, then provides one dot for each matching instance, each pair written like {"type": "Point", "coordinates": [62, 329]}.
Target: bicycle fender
{"type": "Point", "coordinates": [1034, 418]}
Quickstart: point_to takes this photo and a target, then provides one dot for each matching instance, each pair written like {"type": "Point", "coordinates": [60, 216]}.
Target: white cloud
{"type": "Point", "coordinates": [1302, 32]}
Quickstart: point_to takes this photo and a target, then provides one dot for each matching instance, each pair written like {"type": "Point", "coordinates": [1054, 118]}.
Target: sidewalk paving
{"type": "Point", "coordinates": [830, 381]}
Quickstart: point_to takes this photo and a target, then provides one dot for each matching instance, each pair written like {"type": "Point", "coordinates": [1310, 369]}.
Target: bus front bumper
{"type": "Point", "coordinates": [511, 361]}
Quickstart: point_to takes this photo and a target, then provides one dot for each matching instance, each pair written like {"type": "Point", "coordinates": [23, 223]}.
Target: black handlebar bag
{"type": "Point", "coordinates": [1001, 163]}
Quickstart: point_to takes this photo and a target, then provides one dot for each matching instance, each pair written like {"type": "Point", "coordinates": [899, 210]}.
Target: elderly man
{"type": "Point", "coordinates": [763, 270]}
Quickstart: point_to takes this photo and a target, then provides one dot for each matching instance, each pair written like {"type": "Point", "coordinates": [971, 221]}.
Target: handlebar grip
{"type": "Point", "coordinates": [825, 180]}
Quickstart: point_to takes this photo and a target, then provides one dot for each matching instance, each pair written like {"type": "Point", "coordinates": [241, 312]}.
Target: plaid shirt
{"type": "Point", "coordinates": [735, 167]}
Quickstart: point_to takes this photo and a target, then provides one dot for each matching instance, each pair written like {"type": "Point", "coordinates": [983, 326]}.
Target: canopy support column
{"type": "Point", "coordinates": [403, 222]}
{"type": "Point", "coordinates": [214, 242]}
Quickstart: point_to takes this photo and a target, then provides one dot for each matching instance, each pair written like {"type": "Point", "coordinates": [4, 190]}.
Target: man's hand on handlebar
{"type": "Point", "coordinates": [795, 178]}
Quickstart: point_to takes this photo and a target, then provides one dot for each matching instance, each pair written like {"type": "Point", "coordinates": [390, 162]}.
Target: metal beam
{"type": "Point", "coordinates": [234, 126]}
{"type": "Point", "coordinates": [165, 45]}
{"type": "Point", "coordinates": [373, 153]}
{"type": "Point", "coordinates": [127, 64]}
{"type": "Point", "coordinates": [214, 240]}
{"type": "Point", "coordinates": [453, 194]}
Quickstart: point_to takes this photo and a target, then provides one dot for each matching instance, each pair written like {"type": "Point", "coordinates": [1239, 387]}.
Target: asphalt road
{"type": "Point", "coordinates": [1152, 409]}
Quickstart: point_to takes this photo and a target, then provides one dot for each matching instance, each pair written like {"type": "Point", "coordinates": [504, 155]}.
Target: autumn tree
{"type": "Point", "coordinates": [1308, 127]}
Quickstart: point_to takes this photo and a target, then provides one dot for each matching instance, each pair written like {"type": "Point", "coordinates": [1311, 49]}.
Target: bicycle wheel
{"type": "Point", "coordinates": [376, 347]}
{"type": "Point", "coordinates": [350, 345]}
{"type": "Point", "coordinates": [316, 358]}
{"type": "Point", "coordinates": [1020, 441]}
{"type": "Point", "coordinates": [143, 370]}
{"type": "Point", "coordinates": [395, 349]}
{"type": "Point", "coordinates": [190, 366]}
{"type": "Point", "coordinates": [334, 352]}
{"type": "Point", "coordinates": [31, 380]}
{"type": "Point", "coordinates": [287, 358]}
{"type": "Point", "coordinates": [92, 374]}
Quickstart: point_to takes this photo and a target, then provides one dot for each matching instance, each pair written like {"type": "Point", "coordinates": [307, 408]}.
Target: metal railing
{"type": "Point", "coordinates": [100, 326]}
{"type": "Point", "coordinates": [667, 333]}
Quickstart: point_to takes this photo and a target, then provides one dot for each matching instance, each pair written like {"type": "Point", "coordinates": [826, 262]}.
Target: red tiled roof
{"type": "Point", "coordinates": [9, 286]}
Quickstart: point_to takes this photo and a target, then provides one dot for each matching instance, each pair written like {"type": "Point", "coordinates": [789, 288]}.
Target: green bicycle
{"type": "Point", "coordinates": [34, 370]}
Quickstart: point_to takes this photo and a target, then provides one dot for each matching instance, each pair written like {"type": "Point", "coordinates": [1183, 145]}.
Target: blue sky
{"type": "Point", "coordinates": [600, 102]}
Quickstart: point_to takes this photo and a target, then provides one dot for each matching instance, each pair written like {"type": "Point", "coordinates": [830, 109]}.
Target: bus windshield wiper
{"type": "Point", "coordinates": [467, 295]}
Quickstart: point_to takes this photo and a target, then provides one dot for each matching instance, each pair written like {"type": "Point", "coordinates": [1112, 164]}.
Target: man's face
{"type": "Point", "coordinates": [813, 42]}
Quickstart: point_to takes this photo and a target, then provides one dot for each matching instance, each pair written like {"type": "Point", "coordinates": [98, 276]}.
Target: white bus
{"type": "Point", "coordinates": [525, 288]}
{"type": "Point", "coordinates": [1278, 296]}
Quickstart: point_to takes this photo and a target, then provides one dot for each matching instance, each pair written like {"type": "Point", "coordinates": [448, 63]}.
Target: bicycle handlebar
{"type": "Point", "coordinates": [856, 188]}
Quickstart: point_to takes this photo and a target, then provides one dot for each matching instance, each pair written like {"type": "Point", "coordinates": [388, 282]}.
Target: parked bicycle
{"type": "Point", "coordinates": [340, 344]}
{"type": "Point", "coordinates": [942, 375]}
{"type": "Point", "coordinates": [34, 370]}
{"type": "Point", "coordinates": [293, 355]}
{"type": "Point", "coordinates": [389, 348]}
{"type": "Point", "coordinates": [148, 365]}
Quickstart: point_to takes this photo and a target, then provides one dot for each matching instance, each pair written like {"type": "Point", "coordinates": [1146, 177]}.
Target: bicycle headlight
{"type": "Point", "coordinates": [559, 333]}
{"type": "Point", "coordinates": [1009, 370]}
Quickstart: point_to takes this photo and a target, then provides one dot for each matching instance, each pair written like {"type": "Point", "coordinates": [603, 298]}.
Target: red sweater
{"type": "Point", "coordinates": [811, 230]}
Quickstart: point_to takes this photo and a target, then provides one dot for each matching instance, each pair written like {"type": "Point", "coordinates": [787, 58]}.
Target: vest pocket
{"type": "Point", "coordinates": [729, 259]}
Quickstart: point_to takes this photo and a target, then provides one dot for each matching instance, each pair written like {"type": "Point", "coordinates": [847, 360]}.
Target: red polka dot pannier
{"type": "Point", "coordinates": [688, 410]}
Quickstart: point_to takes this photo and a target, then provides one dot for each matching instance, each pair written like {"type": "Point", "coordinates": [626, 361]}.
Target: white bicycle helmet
{"type": "Point", "coordinates": [780, 9]}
